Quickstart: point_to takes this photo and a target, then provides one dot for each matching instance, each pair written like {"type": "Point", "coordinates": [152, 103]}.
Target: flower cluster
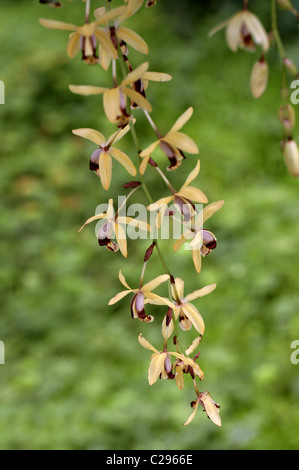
{"type": "Point", "coordinates": [244, 30]}
{"type": "Point", "coordinates": [104, 41]}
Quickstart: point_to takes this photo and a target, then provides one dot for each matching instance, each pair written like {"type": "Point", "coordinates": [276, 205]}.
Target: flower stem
{"type": "Point", "coordinates": [276, 31]}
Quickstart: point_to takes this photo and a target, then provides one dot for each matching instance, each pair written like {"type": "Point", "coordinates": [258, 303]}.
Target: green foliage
{"type": "Point", "coordinates": [75, 376]}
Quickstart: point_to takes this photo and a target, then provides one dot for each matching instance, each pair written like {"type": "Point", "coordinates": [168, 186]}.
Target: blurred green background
{"type": "Point", "coordinates": [75, 376]}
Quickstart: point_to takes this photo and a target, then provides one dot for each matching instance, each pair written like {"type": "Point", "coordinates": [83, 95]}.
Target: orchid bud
{"type": "Point", "coordinates": [290, 66]}
{"type": "Point", "coordinates": [259, 78]}
{"type": "Point", "coordinates": [291, 157]}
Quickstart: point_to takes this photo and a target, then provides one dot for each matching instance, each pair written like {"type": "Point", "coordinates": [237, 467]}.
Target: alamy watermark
{"type": "Point", "coordinates": [295, 354]}
{"type": "Point", "coordinates": [2, 92]}
{"type": "Point", "coordinates": [295, 94]}
{"type": "Point", "coordinates": [2, 353]}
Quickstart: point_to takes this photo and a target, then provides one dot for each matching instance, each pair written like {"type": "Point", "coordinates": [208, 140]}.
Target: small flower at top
{"type": "Point", "coordinates": [173, 144]}
{"type": "Point", "coordinates": [113, 225]}
{"type": "Point", "coordinates": [144, 292]}
{"type": "Point", "coordinates": [244, 30]}
{"type": "Point", "coordinates": [115, 98]}
{"type": "Point", "coordinates": [100, 160]}
{"type": "Point", "coordinates": [210, 407]}
{"type": "Point", "coordinates": [201, 240]}
{"type": "Point", "coordinates": [87, 36]}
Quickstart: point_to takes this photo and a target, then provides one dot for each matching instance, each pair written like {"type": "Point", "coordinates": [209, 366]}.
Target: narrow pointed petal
{"type": "Point", "coordinates": [192, 414]}
{"type": "Point", "coordinates": [156, 77]}
{"type": "Point", "coordinates": [196, 255]}
{"type": "Point", "coordinates": [87, 90]}
{"type": "Point", "coordinates": [145, 344]}
{"type": "Point", "coordinates": [110, 15]}
{"type": "Point", "coordinates": [91, 134]}
{"type": "Point", "coordinates": [177, 245]}
{"type": "Point", "coordinates": [92, 219]}
{"type": "Point", "coordinates": [112, 104]}
{"type": "Point", "coordinates": [149, 150]}
{"type": "Point", "coordinates": [181, 141]}
{"type": "Point", "coordinates": [105, 169]}
{"type": "Point", "coordinates": [182, 120]}
{"type": "Point", "coordinates": [161, 202]}
{"type": "Point", "coordinates": [233, 31]}
{"type": "Point", "coordinates": [135, 74]}
{"type": "Point", "coordinates": [52, 24]}
{"type": "Point", "coordinates": [218, 27]}
{"type": "Point", "coordinates": [133, 39]}
{"type": "Point", "coordinates": [118, 135]}
{"type": "Point", "coordinates": [196, 243]}
{"type": "Point", "coordinates": [179, 377]}
{"type": "Point", "coordinates": [191, 363]}
{"type": "Point", "coordinates": [156, 367]}
{"type": "Point", "coordinates": [137, 98]}
{"type": "Point", "coordinates": [106, 43]}
{"type": "Point", "coordinates": [179, 288]}
{"type": "Point", "coordinates": [192, 175]}
{"type": "Point", "coordinates": [193, 194]}
{"type": "Point", "coordinates": [73, 46]}
{"type": "Point", "coordinates": [124, 160]}
{"type": "Point", "coordinates": [200, 292]}
{"type": "Point", "coordinates": [151, 285]}
{"type": "Point", "coordinates": [119, 296]}
{"type": "Point", "coordinates": [121, 239]}
{"type": "Point", "coordinates": [155, 299]}
{"type": "Point", "coordinates": [123, 280]}
{"type": "Point", "coordinates": [257, 30]}
{"type": "Point", "coordinates": [143, 165]}
{"type": "Point", "coordinates": [135, 223]}
{"type": "Point", "coordinates": [195, 317]}
{"type": "Point", "coordinates": [211, 209]}
{"type": "Point", "coordinates": [212, 410]}
{"type": "Point", "coordinates": [194, 345]}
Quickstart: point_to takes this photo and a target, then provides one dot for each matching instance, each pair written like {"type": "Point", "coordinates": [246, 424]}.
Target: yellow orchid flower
{"type": "Point", "coordinates": [201, 241]}
{"type": "Point", "coordinates": [183, 199]}
{"type": "Point", "coordinates": [101, 159]}
{"type": "Point", "coordinates": [113, 225]}
{"type": "Point", "coordinates": [160, 362]}
{"type": "Point", "coordinates": [143, 293]}
{"type": "Point", "coordinates": [114, 98]}
{"type": "Point", "coordinates": [244, 30]}
{"type": "Point", "coordinates": [185, 310]}
{"type": "Point", "coordinates": [210, 407]}
{"type": "Point", "coordinates": [173, 144]}
{"type": "Point", "coordinates": [86, 37]}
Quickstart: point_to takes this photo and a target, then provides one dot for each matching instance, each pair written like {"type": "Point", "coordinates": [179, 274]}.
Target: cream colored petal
{"type": "Point", "coordinates": [52, 24]}
{"type": "Point", "coordinates": [90, 134]}
{"type": "Point", "coordinates": [233, 31]}
{"type": "Point", "coordinates": [149, 150]}
{"type": "Point", "coordinates": [210, 210]}
{"type": "Point", "coordinates": [192, 175]}
{"type": "Point", "coordinates": [193, 346]}
{"type": "Point", "coordinates": [179, 288]}
{"type": "Point", "coordinates": [118, 135]}
{"type": "Point", "coordinates": [218, 27]}
{"type": "Point", "coordinates": [155, 299]}
{"type": "Point", "coordinates": [137, 98]}
{"type": "Point", "coordinates": [104, 58]}
{"type": "Point", "coordinates": [87, 90]}
{"type": "Point", "coordinates": [195, 317]}
{"type": "Point", "coordinates": [112, 104]}
{"type": "Point", "coordinates": [110, 210]}
{"type": "Point", "coordinates": [121, 239]}
{"type": "Point", "coordinates": [133, 39]}
{"type": "Point", "coordinates": [193, 194]}
{"type": "Point", "coordinates": [105, 41]}
{"type": "Point", "coordinates": [145, 344]}
{"type": "Point", "coordinates": [151, 285]}
{"type": "Point", "coordinates": [196, 256]}
{"type": "Point", "coordinates": [196, 243]}
{"type": "Point", "coordinates": [259, 78]}
{"type": "Point", "coordinates": [135, 223]}
{"type": "Point", "coordinates": [167, 330]}
{"type": "Point", "coordinates": [257, 30]}
{"type": "Point", "coordinates": [143, 165]}
{"type": "Point", "coordinates": [156, 77]}
{"type": "Point", "coordinates": [105, 163]}
{"type": "Point", "coordinates": [200, 292]}
{"type": "Point", "coordinates": [124, 160]}
{"type": "Point", "coordinates": [119, 296]}
{"type": "Point", "coordinates": [192, 414]}
{"type": "Point", "coordinates": [161, 202]}
{"type": "Point", "coordinates": [110, 15]}
{"type": "Point", "coordinates": [92, 219]}
{"type": "Point", "coordinates": [179, 377]}
{"type": "Point", "coordinates": [156, 367]}
{"type": "Point", "coordinates": [123, 280]}
{"type": "Point", "coordinates": [135, 75]}
{"type": "Point", "coordinates": [182, 120]}
{"type": "Point", "coordinates": [177, 245]}
{"type": "Point", "coordinates": [211, 410]}
{"type": "Point", "coordinates": [132, 7]}
{"type": "Point", "coordinates": [191, 363]}
{"type": "Point", "coordinates": [181, 141]}
{"type": "Point", "coordinates": [73, 46]}
{"type": "Point", "coordinates": [99, 12]}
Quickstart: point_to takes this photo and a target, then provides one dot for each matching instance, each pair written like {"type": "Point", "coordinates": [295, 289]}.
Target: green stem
{"type": "Point", "coordinates": [276, 31]}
